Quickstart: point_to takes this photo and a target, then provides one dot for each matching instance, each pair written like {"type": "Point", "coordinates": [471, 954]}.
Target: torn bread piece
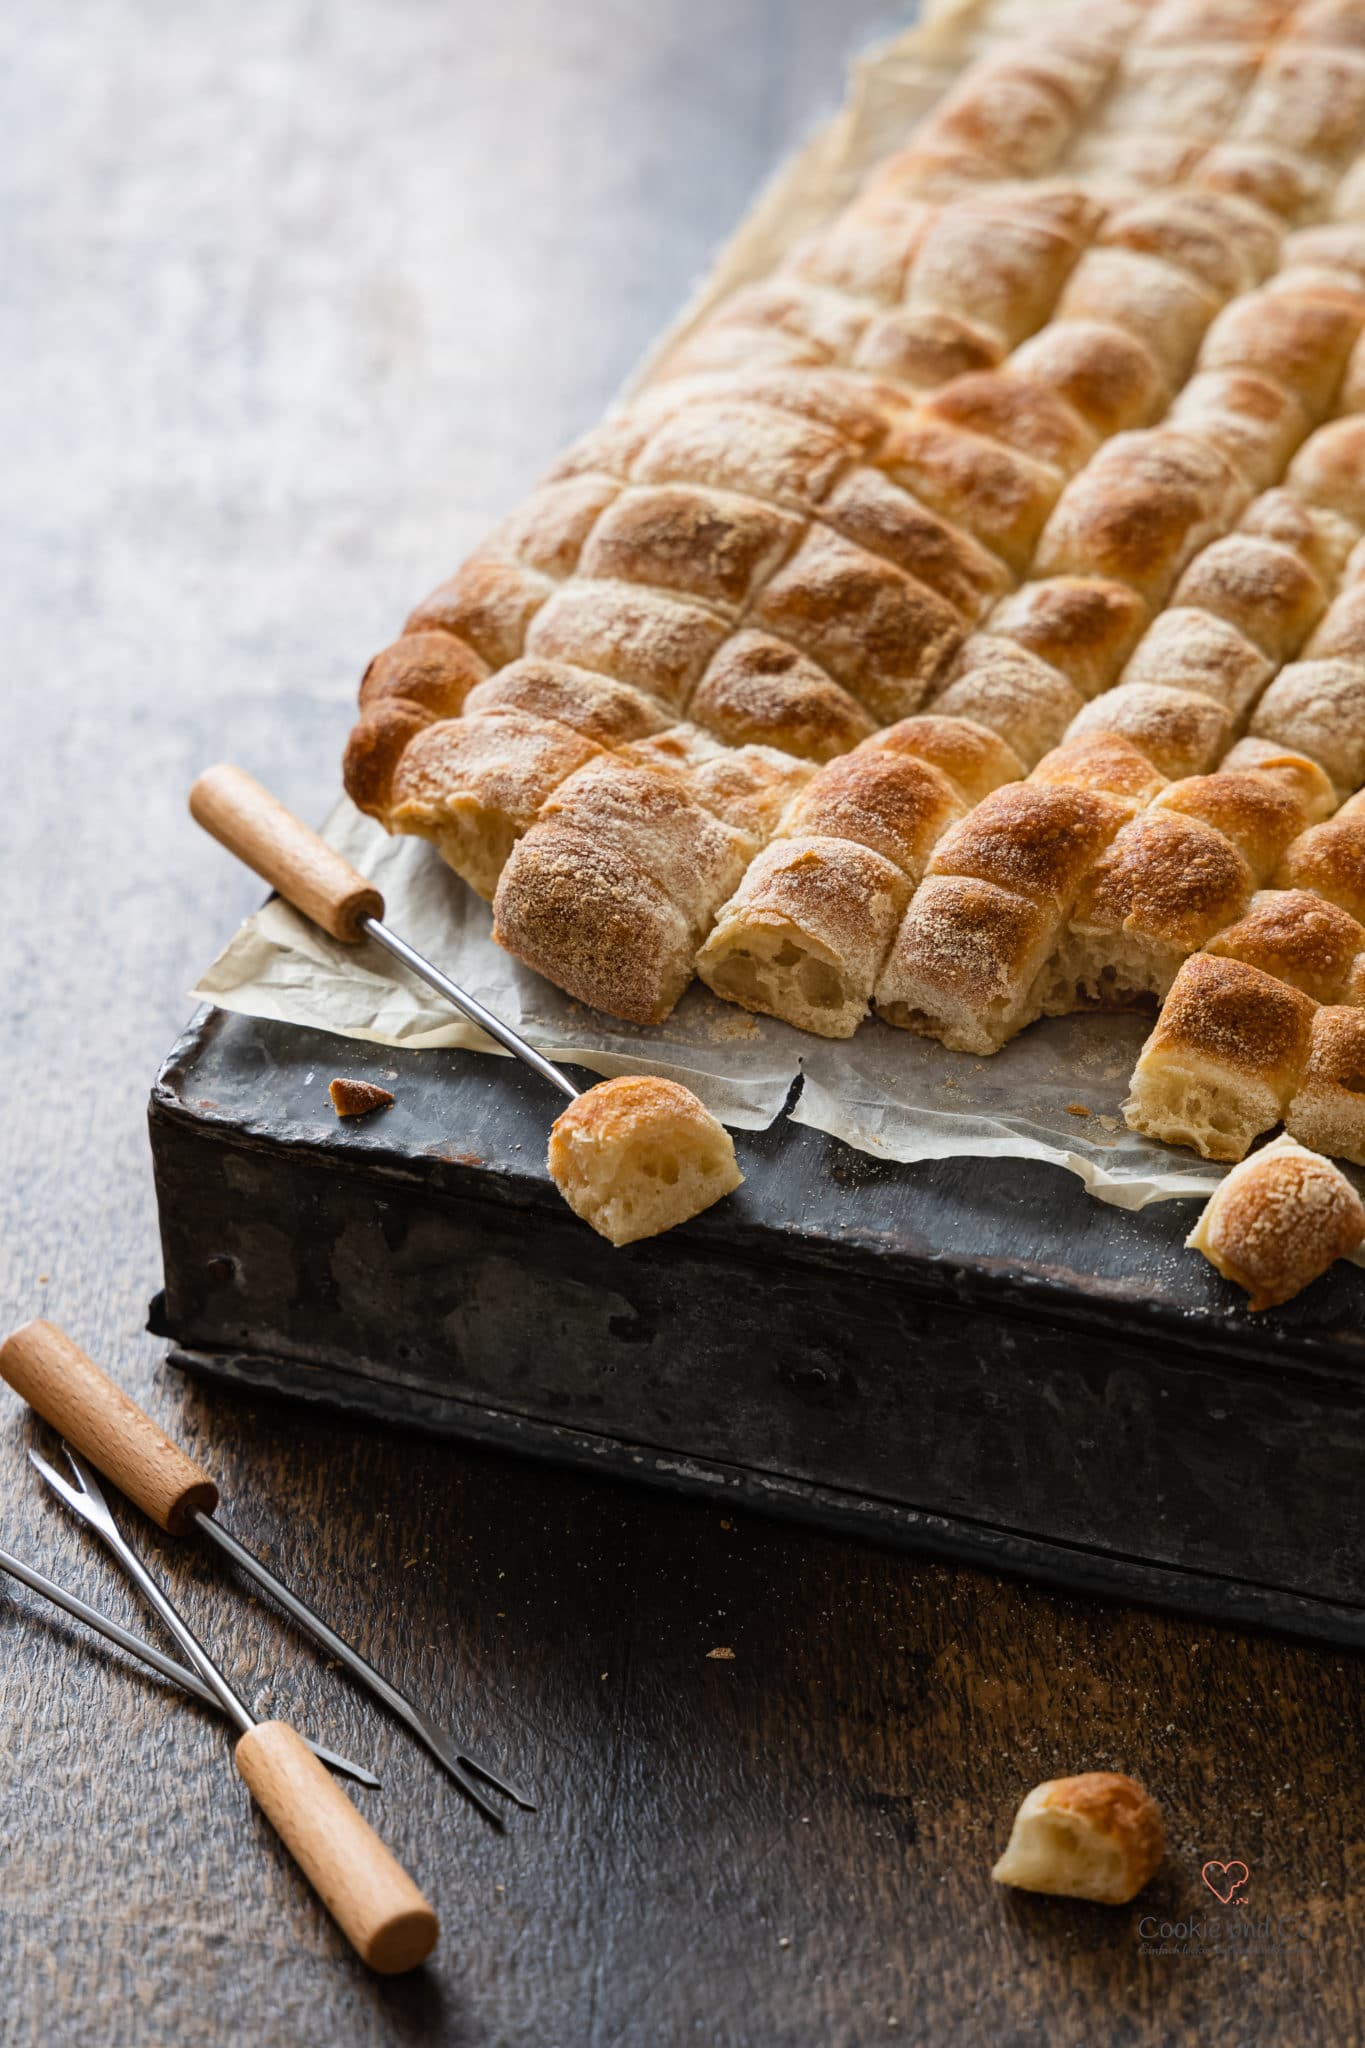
{"type": "Point", "coordinates": [636, 1155]}
{"type": "Point", "coordinates": [1098, 1836]}
{"type": "Point", "coordinates": [357, 1098]}
{"type": "Point", "coordinates": [1224, 1059]}
{"type": "Point", "coordinates": [1278, 1221]}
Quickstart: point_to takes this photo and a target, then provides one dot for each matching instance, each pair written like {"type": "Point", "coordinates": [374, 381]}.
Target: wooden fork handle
{"type": "Point", "coordinates": [98, 1419]}
{"type": "Point", "coordinates": [365, 1889]}
{"type": "Point", "coordinates": [250, 822]}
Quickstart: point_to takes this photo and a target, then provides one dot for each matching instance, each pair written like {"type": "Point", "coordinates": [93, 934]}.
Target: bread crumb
{"type": "Point", "coordinates": [1077, 1109]}
{"type": "Point", "coordinates": [358, 1098]}
{"type": "Point", "coordinates": [727, 1655]}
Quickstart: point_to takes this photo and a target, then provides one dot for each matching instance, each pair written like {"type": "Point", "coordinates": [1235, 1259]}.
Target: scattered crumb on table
{"type": "Point", "coordinates": [1077, 1109]}
{"type": "Point", "coordinates": [727, 1655]}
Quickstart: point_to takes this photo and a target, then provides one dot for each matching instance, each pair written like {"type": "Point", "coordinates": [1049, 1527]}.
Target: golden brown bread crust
{"type": "Point", "coordinates": [1267, 592]}
{"type": "Point", "coordinates": [1106, 762]}
{"type": "Point", "coordinates": [865, 507]}
{"type": "Point", "coordinates": [711, 545]}
{"type": "Point", "coordinates": [1027, 702]}
{"type": "Point", "coordinates": [350, 1097]}
{"type": "Point", "coordinates": [487, 604]}
{"type": "Point", "coordinates": [374, 750]}
{"type": "Point", "coordinates": [895, 804]}
{"type": "Point", "coordinates": [1082, 626]}
{"type": "Point", "coordinates": [1256, 815]}
{"type": "Point", "coordinates": [1329, 859]}
{"type": "Point", "coordinates": [595, 706]}
{"type": "Point", "coordinates": [1109, 377]}
{"type": "Point", "coordinates": [874, 629]}
{"type": "Point", "coordinates": [1168, 877]}
{"type": "Point", "coordinates": [1035, 839]}
{"type": "Point", "coordinates": [781, 547]}
{"type": "Point", "coordinates": [1223, 1061]}
{"type": "Point", "coordinates": [763, 690]}
{"type": "Point", "coordinates": [637, 1155]}
{"type": "Point", "coordinates": [1020, 413]}
{"type": "Point", "coordinates": [1186, 649]}
{"type": "Point", "coordinates": [1278, 1221]}
{"type": "Point", "coordinates": [1141, 509]}
{"type": "Point", "coordinates": [433, 671]}
{"type": "Point", "coordinates": [963, 962]}
{"type": "Point", "coordinates": [1179, 731]}
{"type": "Point", "coordinates": [974, 759]}
{"type": "Point", "coordinates": [1327, 1108]}
{"type": "Point", "coordinates": [1311, 945]}
{"type": "Point", "coordinates": [1098, 1836]}
{"type": "Point", "coordinates": [603, 928]}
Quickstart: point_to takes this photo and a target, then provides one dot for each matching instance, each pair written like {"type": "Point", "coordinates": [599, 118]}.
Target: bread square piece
{"type": "Point", "coordinates": [1329, 859]}
{"type": "Point", "coordinates": [1099, 1836]}
{"type": "Point", "coordinates": [1037, 839]}
{"type": "Point", "coordinates": [474, 785]}
{"type": "Point", "coordinates": [805, 933]}
{"type": "Point", "coordinates": [1224, 1059]}
{"type": "Point", "coordinates": [1327, 1109]}
{"type": "Point", "coordinates": [637, 1155]}
{"type": "Point", "coordinates": [1314, 946]}
{"type": "Point", "coordinates": [965, 963]}
{"type": "Point", "coordinates": [1278, 1221]}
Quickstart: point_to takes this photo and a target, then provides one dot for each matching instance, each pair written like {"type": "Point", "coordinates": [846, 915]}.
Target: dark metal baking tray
{"type": "Point", "coordinates": [971, 1358]}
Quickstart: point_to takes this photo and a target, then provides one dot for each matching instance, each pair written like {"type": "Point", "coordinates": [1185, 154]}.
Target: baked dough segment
{"type": "Point", "coordinates": [1099, 1836]}
{"type": "Point", "coordinates": [1165, 885]}
{"type": "Point", "coordinates": [1329, 859]}
{"type": "Point", "coordinates": [638, 1155]}
{"type": "Point", "coordinates": [614, 890]}
{"type": "Point", "coordinates": [474, 785]}
{"type": "Point", "coordinates": [1223, 1062]}
{"type": "Point", "coordinates": [968, 959]}
{"type": "Point", "coordinates": [1312, 945]}
{"type": "Point", "coordinates": [804, 936]}
{"type": "Point", "coordinates": [776, 547]}
{"type": "Point", "coordinates": [1327, 1108]}
{"type": "Point", "coordinates": [761, 690]}
{"type": "Point", "coordinates": [1278, 1221]}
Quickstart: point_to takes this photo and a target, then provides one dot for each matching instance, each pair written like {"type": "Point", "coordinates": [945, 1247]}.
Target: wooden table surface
{"type": "Point", "coordinates": [297, 299]}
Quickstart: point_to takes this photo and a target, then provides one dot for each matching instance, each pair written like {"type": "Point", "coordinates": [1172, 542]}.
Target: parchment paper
{"type": "Point", "coordinates": [1053, 1094]}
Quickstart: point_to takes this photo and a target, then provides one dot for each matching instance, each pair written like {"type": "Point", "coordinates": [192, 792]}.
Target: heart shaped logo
{"type": "Point", "coordinates": [1223, 1879]}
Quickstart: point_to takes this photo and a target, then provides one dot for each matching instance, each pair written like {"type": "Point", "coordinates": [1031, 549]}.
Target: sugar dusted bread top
{"type": "Point", "coordinates": [636, 1155]}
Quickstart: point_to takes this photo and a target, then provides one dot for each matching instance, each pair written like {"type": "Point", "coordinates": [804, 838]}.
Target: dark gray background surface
{"type": "Point", "coordinates": [295, 300]}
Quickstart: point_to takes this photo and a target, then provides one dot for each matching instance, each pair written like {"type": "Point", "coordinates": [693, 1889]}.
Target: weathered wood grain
{"type": "Point", "coordinates": [296, 300]}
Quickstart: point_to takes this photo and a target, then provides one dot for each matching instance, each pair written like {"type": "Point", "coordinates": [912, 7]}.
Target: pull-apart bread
{"type": "Point", "coordinates": [967, 620]}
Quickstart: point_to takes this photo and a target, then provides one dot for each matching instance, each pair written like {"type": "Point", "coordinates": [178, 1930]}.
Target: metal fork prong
{"type": "Point", "coordinates": [471, 1763]}
{"type": "Point", "coordinates": [154, 1659]}
{"type": "Point", "coordinates": [441, 1745]}
{"type": "Point", "coordinates": [78, 1498]}
{"type": "Point", "coordinates": [459, 1762]}
{"type": "Point", "coordinates": [87, 1501]}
